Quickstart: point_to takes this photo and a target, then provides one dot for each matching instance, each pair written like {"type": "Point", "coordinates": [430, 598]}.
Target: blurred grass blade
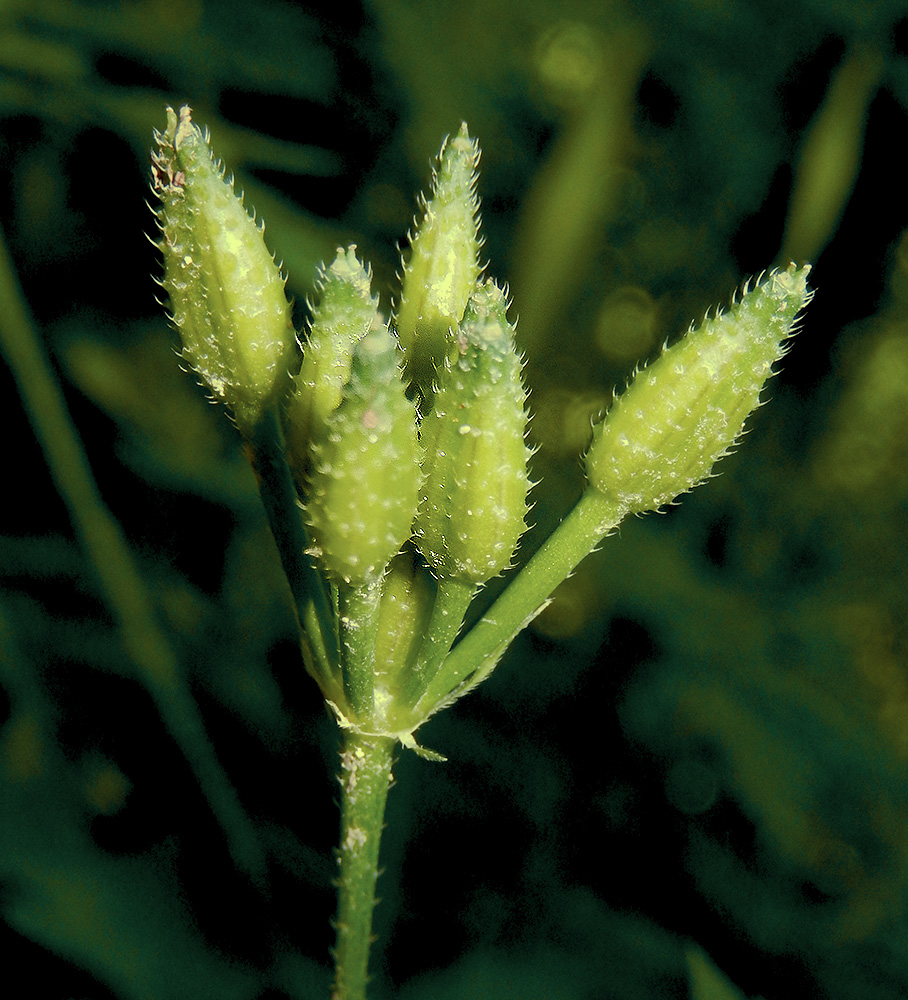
{"type": "Point", "coordinates": [121, 584]}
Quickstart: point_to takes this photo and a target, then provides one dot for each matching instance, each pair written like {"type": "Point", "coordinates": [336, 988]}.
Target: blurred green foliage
{"type": "Point", "coordinates": [700, 748]}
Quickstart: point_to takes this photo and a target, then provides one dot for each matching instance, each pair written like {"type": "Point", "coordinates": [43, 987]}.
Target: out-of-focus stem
{"type": "Point", "coordinates": [121, 584]}
{"type": "Point", "coordinates": [830, 157]}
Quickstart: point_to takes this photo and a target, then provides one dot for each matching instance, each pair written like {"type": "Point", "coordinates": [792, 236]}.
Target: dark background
{"type": "Point", "coordinates": [688, 778]}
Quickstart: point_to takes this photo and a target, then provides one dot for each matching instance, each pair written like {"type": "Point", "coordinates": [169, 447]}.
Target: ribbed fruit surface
{"type": "Point", "coordinates": [345, 312]}
{"type": "Point", "coordinates": [364, 484]}
{"type": "Point", "coordinates": [226, 293]}
{"type": "Point", "coordinates": [684, 411]}
{"type": "Point", "coordinates": [443, 266]}
{"type": "Point", "coordinates": [474, 504]}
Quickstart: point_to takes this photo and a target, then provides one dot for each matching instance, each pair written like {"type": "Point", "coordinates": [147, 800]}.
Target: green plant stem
{"type": "Point", "coordinates": [365, 778]}
{"type": "Point", "coordinates": [451, 602]}
{"type": "Point", "coordinates": [358, 620]}
{"type": "Point", "coordinates": [593, 517]}
{"type": "Point", "coordinates": [317, 632]}
{"type": "Point", "coordinates": [121, 583]}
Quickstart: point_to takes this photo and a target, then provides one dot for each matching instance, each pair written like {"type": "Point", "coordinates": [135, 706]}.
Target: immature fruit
{"type": "Point", "coordinates": [441, 273]}
{"type": "Point", "coordinates": [226, 293]}
{"type": "Point", "coordinates": [346, 311]}
{"type": "Point", "coordinates": [408, 593]}
{"type": "Point", "coordinates": [683, 412]}
{"type": "Point", "coordinates": [474, 501]}
{"type": "Point", "coordinates": [365, 478]}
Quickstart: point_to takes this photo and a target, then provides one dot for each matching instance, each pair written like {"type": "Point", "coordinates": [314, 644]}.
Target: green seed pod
{"type": "Point", "coordinates": [347, 310]}
{"type": "Point", "coordinates": [226, 293]}
{"type": "Point", "coordinates": [443, 267]}
{"type": "Point", "coordinates": [365, 479]}
{"type": "Point", "coordinates": [408, 594]}
{"type": "Point", "coordinates": [683, 412]}
{"type": "Point", "coordinates": [474, 499]}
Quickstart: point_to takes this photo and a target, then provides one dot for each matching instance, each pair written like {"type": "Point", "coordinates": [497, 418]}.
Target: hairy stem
{"type": "Point", "coordinates": [364, 780]}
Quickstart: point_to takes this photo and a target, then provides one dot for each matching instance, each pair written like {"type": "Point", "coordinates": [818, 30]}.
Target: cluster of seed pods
{"type": "Point", "coordinates": [407, 436]}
